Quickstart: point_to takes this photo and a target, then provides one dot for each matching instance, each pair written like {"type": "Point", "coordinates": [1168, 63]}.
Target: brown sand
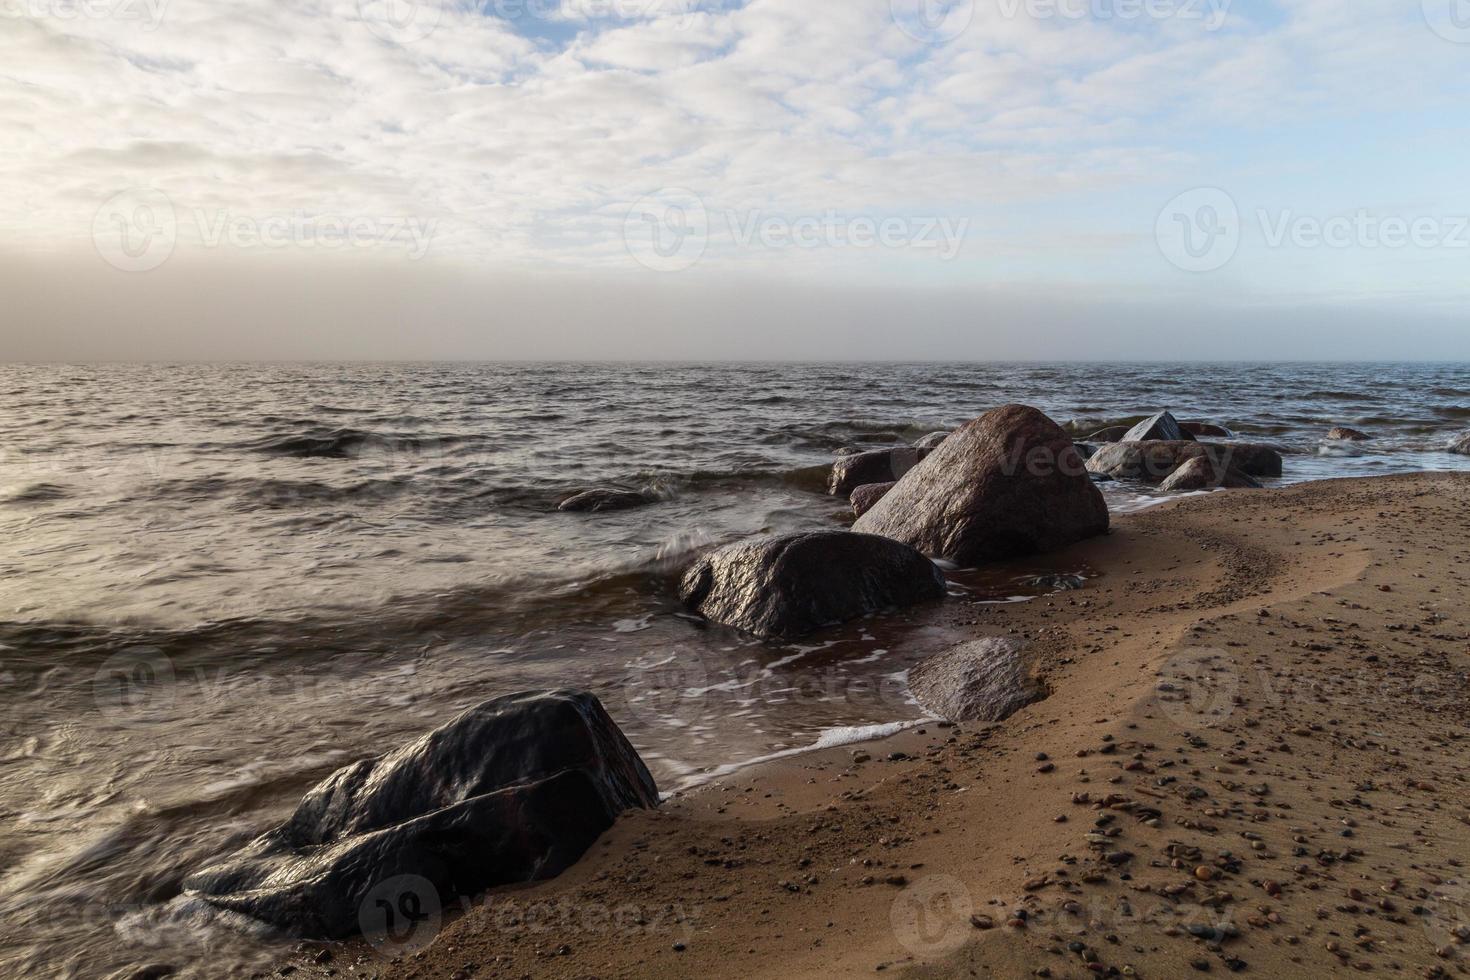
{"type": "Point", "coordinates": [1259, 711]}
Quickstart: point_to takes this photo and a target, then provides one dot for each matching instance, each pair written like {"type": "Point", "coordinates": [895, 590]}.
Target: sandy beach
{"type": "Point", "coordinates": [1254, 757]}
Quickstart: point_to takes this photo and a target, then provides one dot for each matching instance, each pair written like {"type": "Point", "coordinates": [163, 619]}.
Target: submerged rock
{"type": "Point", "coordinates": [1201, 474]}
{"type": "Point", "coordinates": [604, 498]}
{"type": "Point", "coordinates": [1162, 426]}
{"type": "Point", "coordinates": [866, 498]}
{"type": "Point", "coordinates": [1345, 434]}
{"type": "Point", "coordinates": [1461, 445]}
{"type": "Point", "coordinates": [983, 680]}
{"type": "Point", "coordinates": [879, 466]}
{"type": "Point", "coordinates": [1009, 483]}
{"type": "Point", "coordinates": [786, 587]}
{"type": "Point", "coordinates": [1154, 461]}
{"type": "Point", "coordinates": [514, 790]}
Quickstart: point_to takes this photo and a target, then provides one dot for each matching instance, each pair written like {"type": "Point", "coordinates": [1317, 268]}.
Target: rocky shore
{"type": "Point", "coordinates": [1253, 756]}
{"type": "Point", "coordinates": [1200, 815]}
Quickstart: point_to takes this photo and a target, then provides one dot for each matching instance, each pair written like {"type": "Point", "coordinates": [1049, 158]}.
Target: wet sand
{"type": "Point", "coordinates": [1255, 757]}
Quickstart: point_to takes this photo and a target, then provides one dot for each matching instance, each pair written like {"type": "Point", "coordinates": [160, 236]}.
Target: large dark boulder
{"type": "Point", "coordinates": [786, 587]}
{"type": "Point", "coordinates": [982, 680]}
{"type": "Point", "coordinates": [514, 790]}
{"type": "Point", "coordinates": [1009, 483]}
{"type": "Point", "coordinates": [604, 498]}
{"type": "Point", "coordinates": [1201, 473]}
{"type": "Point", "coordinates": [1161, 426]}
{"type": "Point", "coordinates": [865, 498]}
{"type": "Point", "coordinates": [1155, 461]}
{"type": "Point", "coordinates": [879, 466]}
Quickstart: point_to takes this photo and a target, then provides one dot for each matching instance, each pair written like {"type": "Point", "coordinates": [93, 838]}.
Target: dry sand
{"type": "Point", "coordinates": [1255, 757]}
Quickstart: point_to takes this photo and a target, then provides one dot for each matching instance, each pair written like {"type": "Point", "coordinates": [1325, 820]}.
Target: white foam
{"type": "Point", "coordinates": [830, 738]}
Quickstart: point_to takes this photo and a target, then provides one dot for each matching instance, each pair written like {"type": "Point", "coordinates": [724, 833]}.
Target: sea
{"type": "Point", "coordinates": [219, 583]}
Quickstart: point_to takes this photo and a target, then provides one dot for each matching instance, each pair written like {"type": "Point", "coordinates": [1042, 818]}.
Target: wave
{"type": "Point", "coordinates": [320, 442]}
{"type": "Point", "coordinates": [37, 493]}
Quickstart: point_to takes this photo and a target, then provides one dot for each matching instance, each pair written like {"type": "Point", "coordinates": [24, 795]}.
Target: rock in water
{"type": "Point", "coordinates": [786, 587]}
{"type": "Point", "coordinates": [1111, 434]}
{"type": "Point", "coordinates": [604, 498]}
{"type": "Point", "coordinates": [866, 498]}
{"type": "Point", "coordinates": [514, 790]}
{"type": "Point", "coordinates": [1461, 445]}
{"type": "Point", "coordinates": [983, 680]}
{"type": "Point", "coordinates": [1343, 433]}
{"type": "Point", "coordinates": [1154, 461]}
{"type": "Point", "coordinates": [1207, 429]}
{"type": "Point", "coordinates": [1009, 483]}
{"type": "Point", "coordinates": [878, 466]}
{"type": "Point", "coordinates": [1161, 426]}
{"type": "Point", "coordinates": [932, 440]}
{"type": "Point", "coordinates": [1201, 474]}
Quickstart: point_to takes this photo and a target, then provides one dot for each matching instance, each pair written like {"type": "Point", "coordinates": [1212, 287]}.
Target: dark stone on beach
{"type": "Point", "coordinates": [512, 791]}
{"type": "Point", "coordinates": [786, 587]}
{"type": "Point", "coordinates": [879, 466]}
{"type": "Point", "coordinates": [1461, 445]}
{"type": "Point", "coordinates": [1009, 483]}
{"type": "Point", "coordinates": [1207, 429]}
{"type": "Point", "coordinates": [984, 680]}
{"type": "Point", "coordinates": [1201, 474]}
{"type": "Point", "coordinates": [1343, 433]}
{"type": "Point", "coordinates": [1162, 426]}
{"type": "Point", "coordinates": [604, 498]}
{"type": "Point", "coordinates": [932, 440]}
{"type": "Point", "coordinates": [1111, 434]}
{"type": "Point", "coordinates": [1155, 461]}
{"type": "Point", "coordinates": [866, 498]}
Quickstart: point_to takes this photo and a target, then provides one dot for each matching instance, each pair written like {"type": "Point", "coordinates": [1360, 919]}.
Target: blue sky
{"type": "Point", "coordinates": [1030, 146]}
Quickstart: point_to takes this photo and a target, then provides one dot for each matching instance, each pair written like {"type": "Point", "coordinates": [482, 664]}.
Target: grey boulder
{"type": "Point", "coordinates": [514, 790]}
{"type": "Point", "coordinates": [785, 587]}
{"type": "Point", "coordinates": [1154, 461]}
{"type": "Point", "coordinates": [1200, 473]}
{"type": "Point", "coordinates": [983, 680]}
{"type": "Point", "coordinates": [1009, 483]}
{"type": "Point", "coordinates": [865, 498]}
{"type": "Point", "coordinates": [1162, 426]}
{"type": "Point", "coordinates": [878, 466]}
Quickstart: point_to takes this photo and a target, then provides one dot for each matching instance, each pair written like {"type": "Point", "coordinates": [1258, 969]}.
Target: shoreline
{"type": "Point", "coordinates": [884, 855]}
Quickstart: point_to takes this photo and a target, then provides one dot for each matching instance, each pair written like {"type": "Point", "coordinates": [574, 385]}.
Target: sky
{"type": "Point", "coordinates": [749, 179]}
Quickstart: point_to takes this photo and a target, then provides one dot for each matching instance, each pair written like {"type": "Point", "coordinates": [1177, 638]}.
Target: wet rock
{"type": "Point", "coordinates": [1201, 474]}
{"type": "Point", "coordinates": [1154, 461]}
{"type": "Point", "coordinates": [786, 587]}
{"type": "Point", "coordinates": [1084, 449]}
{"type": "Point", "coordinates": [865, 498]}
{"type": "Point", "coordinates": [1461, 445]}
{"type": "Point", "coordinates": [932, 440]}
{"type": "Point", "coordinates": [879, 466]}
{"type": "Point", "coordinates": [1207, 429]}
{"type": "Point", "coordinates": [1113, 433]}
{"type": "Point", "coordinates": [1162, 426]}
{"type": "Point", "coordinates": [604, 498]}
{"type": "Point", "coordinates": [514, 790]}
{"type": "Point", "coordinates": [1009, 483]}
{"type": "Point", "coordinates": [983, 680]}
{"type": "Point", "coordinates": [1344, 434]}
